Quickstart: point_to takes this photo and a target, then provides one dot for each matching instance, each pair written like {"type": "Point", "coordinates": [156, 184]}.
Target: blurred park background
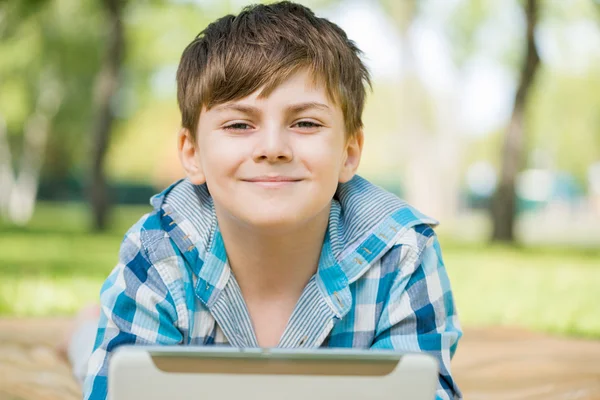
{"type": "Point", "coordinates": [485, 114]}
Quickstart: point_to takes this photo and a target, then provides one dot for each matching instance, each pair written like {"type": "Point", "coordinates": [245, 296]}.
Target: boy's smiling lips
{"type": "Point", "coordinates": [273, 181]}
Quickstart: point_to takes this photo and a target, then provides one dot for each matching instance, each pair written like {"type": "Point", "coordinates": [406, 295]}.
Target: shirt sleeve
{"type": "Point", "coordinates": [420, 314]}
{"type": "Point", "coordinates": [136, 308]}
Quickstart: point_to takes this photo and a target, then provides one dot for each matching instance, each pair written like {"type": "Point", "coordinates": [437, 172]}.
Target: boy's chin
{"type": "Point", "coordinates": [272, 222]}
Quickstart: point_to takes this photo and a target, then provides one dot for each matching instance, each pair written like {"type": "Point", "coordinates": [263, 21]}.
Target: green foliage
{"type": "Point", "coordinates": [565, 121]}
{"type": "Point", "coordinates": [467, 25]}
{"type": "Point", "coordinates": [66, 39]}
{"type": "Point", "coordinates": [59, 40]}
{"type": "Point", "coordinates": [562, 118]}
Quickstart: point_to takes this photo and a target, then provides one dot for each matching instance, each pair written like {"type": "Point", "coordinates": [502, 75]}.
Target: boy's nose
{"type": "Point", "coordinates": [273, 146]}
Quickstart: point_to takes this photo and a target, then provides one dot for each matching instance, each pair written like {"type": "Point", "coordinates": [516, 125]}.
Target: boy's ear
{"type": "Point", "coordinates": [188, 156]}
{"type": "Point", "coordinates": [354, 147]}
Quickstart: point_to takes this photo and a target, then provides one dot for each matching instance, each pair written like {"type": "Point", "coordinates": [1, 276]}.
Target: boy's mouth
{"type": "Point", "coordinates": [271, 178]}
{"type": "Point", "coordinates": [270, 181]}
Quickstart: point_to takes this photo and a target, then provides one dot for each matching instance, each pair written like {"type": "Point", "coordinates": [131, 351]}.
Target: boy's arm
{"type": "Point", "coordinates": [137, 308]}
{"type": "Point", "coordinates": [420, 315]}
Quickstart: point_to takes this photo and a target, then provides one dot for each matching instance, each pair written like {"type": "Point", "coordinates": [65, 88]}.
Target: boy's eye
{"type": "Point", "coordinates": [238, 126]}
{"type": "Point", "coordinates": [307, 125]}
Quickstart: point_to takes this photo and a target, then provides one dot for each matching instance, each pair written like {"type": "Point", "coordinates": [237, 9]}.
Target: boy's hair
{"type": "Point", "coordinates": [262, 46]}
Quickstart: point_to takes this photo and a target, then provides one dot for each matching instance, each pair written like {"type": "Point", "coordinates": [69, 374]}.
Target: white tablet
{"type": "Point", "coordinates": [222, 373]}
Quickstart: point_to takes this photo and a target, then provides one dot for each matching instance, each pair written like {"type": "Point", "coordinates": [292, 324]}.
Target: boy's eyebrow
{"type": "Point", "coordinates": [297, 108]}
{"type": "Point", "coordinates": [292, 109]}
{"type": "Point", "coordinates": [238, 107]}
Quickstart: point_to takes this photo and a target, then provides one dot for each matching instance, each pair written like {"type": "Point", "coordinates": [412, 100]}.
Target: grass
{"type": "Point", "coordinates": [55, 266]}
{"type": "Point", "coordinates": [545, 289]}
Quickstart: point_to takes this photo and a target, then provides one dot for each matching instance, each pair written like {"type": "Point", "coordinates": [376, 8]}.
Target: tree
{"type": "Point", "coordinates": [46, 68]}
{"type": "Point", "coordinates": [106, 89]}
{"type": "Point", "coordinates": [503, 207]}
{"type": "Point", "coordinates": [20, 171]}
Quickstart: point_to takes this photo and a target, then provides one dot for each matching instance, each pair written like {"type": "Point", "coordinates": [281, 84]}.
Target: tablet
{"type": "Point", "coordinates": [224, 373]}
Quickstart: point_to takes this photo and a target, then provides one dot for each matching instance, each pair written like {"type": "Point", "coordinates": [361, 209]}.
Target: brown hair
{"type": "Point", "coordinates": [262, 46]}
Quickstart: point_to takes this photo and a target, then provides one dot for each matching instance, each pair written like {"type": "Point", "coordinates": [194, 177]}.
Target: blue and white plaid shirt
{"type": "Point", "coordinates": [380, 284]}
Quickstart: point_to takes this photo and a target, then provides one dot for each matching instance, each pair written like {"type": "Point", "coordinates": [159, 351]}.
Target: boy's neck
{"type": "Point", "coordinates": [269, 265]}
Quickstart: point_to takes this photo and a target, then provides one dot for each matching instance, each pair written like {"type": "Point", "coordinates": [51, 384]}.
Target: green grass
{"type": "Point", "coordinates": [545, 289]}
{"type": "Point", "coordinates": [55, 266]}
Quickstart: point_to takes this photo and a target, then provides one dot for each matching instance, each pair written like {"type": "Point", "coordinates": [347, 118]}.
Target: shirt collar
{"type": "Point", "coordinates": [365, 221]}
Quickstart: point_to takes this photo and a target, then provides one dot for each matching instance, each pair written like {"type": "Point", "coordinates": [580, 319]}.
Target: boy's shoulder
{"type": "Point", "coordinates": [367, 210]}
{"type": "Point", "coordinates": [180, 223]}
{"type": "Point", "coordinates": [367, 223]}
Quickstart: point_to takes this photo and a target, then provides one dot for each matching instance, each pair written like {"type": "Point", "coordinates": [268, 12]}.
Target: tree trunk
{"type": "Point", "coordinates": [24, 191]}
{"type": "Point", "coordinates": [18, 189]}
{"type": "Point", "coordinates": [503, 207]}
{"type": "Point", "coordinates": [106, 88]}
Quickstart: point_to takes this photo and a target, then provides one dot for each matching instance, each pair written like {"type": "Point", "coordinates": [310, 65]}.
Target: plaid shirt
{"type": "Point", "coordinates": [380, 284]}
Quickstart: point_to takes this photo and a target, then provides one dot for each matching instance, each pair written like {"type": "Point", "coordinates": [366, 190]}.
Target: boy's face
{"type": "Point", "coordinates": [273, 162]}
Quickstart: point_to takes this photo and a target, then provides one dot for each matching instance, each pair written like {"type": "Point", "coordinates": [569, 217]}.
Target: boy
{"type": "Point", "coordinates": [272, 240]}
